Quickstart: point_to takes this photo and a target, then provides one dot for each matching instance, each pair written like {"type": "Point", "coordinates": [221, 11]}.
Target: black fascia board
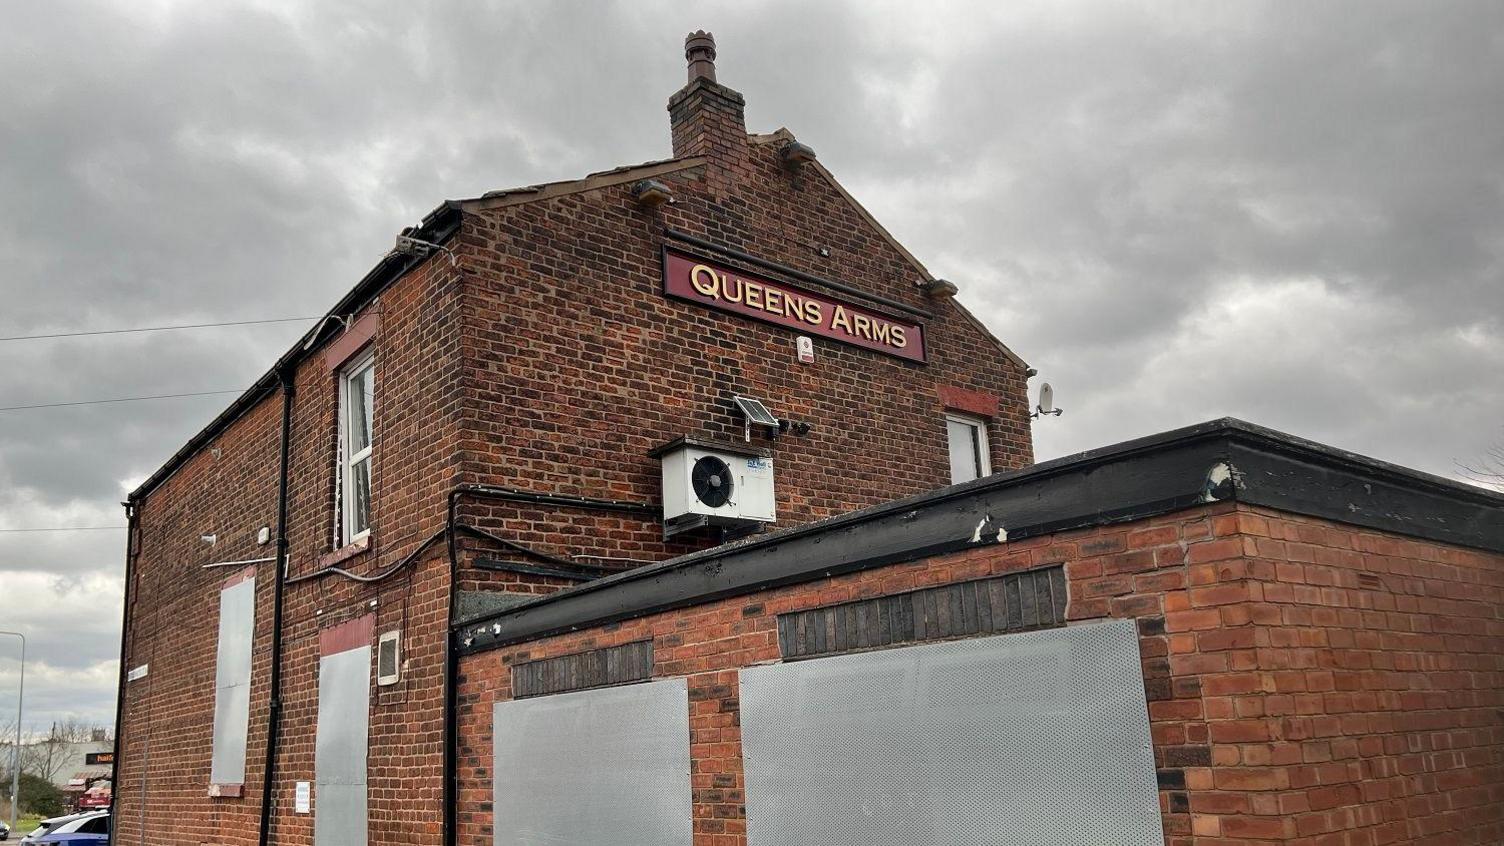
{"type": "Point", "coordinates": [1220, 461]}
{"type": "Point", "coordinates": [438, 227]}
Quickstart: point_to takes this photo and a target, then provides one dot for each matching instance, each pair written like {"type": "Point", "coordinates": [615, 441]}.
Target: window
{"type": "Point", "coordinates": [232, 681]}
{"type": "Point", "coordinates": [356, 402]}
{"type": "Point", "coordinates": [968, 448]}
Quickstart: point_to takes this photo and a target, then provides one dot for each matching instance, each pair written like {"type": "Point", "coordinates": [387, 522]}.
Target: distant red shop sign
{"type": "Point", "coordinates": [697, 280]}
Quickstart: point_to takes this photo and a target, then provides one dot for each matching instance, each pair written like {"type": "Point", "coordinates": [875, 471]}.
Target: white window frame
{"type": "Point", "coordinates": [978, 426]}
{"type": "Point", "coordinates": [347, 458]}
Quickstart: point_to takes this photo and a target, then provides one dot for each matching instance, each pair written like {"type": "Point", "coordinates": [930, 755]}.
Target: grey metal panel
{"type": "Point", "coordinates": [340, 748]}
{"type": "Point", "coordinates": [1039, 737]}
{"type": "Point", "coordinates": [597, 766]}
{"type": "Point", "coordinates": [232, 682]}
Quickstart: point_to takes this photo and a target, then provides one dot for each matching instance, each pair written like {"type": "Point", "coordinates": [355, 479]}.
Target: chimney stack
{"type": "Point", "coordinates": [707, 118]}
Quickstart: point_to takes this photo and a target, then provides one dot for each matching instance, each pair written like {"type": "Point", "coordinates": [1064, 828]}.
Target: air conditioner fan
{"type": "Point", "coordinates": [711, 479]}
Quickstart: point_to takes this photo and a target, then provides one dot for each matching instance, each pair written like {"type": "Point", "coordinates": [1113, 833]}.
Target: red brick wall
{"type": "Point", "coordinates": [1354, 715]}
{"type": "Point", "coordinates": [174, 627]}
{"type": "Point", "coordinates": [1378, 710]}
{"type": "Point", "coordinates": [580, 366]}
{"type": "Point", "coordinates": [231, 489]}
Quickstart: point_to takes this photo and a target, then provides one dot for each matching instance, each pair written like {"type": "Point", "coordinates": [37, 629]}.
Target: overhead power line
{"type": "Point", "coordinates": [157, 328]}
{"type": "Point", "coordinates": [68, 529]}
{"type": "Point", "coordinates": [121, 399]}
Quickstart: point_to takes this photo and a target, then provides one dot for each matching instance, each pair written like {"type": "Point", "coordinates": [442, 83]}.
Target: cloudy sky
{"type": "Point", "coordinates": [1289, 213]}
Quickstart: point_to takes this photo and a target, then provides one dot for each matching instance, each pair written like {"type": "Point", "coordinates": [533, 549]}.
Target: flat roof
{"type": "Point", "coordinates": [1226, 460]}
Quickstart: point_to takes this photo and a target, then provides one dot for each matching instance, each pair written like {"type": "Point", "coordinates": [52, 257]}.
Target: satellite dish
{"type": "Point", "coordinates": [1046, 402]}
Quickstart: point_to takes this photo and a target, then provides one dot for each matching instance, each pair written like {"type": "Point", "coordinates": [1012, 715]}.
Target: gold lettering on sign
{"type": "Point", "coordinates": [751, 294]}
{"type": "Point", "coordinates": [839, 320]}
{"type": "Point", "coordinates": [697, 276]}
{"type": "Point", "coordinates": [773, 301]}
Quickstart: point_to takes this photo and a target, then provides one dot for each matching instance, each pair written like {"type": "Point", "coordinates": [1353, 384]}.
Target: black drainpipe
{"type": "Point", "coordinates": [274, 699]}
{"type": "Point", "coordinates": [451, 668]}
{"type": "Point", "coordinates": [132, 518]}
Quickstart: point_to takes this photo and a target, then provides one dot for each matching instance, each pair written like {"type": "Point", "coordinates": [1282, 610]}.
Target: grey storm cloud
{"type": "Point", "coordinates": [1175, 211]}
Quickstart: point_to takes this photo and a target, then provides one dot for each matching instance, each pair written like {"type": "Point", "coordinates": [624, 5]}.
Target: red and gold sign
{"type": "Point", "coordinates": [691, 278]}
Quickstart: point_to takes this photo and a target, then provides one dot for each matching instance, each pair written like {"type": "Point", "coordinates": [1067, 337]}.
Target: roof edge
{"type": "Point", "coordinates": [602, 179]}
{"type": "Point", "coordinates": [908, 256]}
{"type": "Point", "coordinates": [1221, 461]}
{"type": "Point", "coordinates": [438, 226]}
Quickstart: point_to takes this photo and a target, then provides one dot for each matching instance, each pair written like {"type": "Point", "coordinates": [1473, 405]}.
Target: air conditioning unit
{"type": "Point", "coordinates": [709, 483]}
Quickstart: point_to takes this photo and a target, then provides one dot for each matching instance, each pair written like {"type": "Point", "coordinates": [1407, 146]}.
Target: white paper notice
{"type": "Point", "coordinates": [300, 798]}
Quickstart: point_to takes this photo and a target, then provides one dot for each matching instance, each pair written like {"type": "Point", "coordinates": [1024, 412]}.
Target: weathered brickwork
{"type": "Point", "coordinates": [230, 489]}
{"type": "Point", "coordinates": [1308, 683]}
{"type": "Point", "coordinates": [547, 359]}
{"type": "Point", "coordinates": [580, 366]}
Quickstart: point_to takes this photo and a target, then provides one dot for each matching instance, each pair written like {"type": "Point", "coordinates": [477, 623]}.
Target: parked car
{"type": "Point", "coordinates": [86, 829]}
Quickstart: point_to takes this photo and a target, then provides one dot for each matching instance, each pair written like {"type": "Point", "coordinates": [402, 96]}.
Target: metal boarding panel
{"type": "Point", "coordinates": [232, 682]}
{"type": "Point", "coordinates": [596, 766]}
{"type": "Point", "coordinates": [340, 748]}
{"type": "Point", "coordinates": [1015, 740]}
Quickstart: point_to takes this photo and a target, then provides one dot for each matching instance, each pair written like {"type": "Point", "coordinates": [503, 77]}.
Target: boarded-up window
{"type": "Point", "coordinates": [1040, 737]}
{"type": "Point", "coordinates": [232, 680]}
{"type": "Point", "coordinates": [341, 736]}
{"type": "Point", "coordinates": [597, 766]}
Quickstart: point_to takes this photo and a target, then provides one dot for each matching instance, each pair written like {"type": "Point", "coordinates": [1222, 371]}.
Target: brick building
{"type": "Point", "coordinates": [1219, 636]}
{"type": "Point", "coordinates": [486, 417]}
{"type": "Point", "coordinates": [530, 498]}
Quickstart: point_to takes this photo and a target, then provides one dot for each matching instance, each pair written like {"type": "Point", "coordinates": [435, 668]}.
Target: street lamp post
{"type": "Point", "coordinates": [15, 751]}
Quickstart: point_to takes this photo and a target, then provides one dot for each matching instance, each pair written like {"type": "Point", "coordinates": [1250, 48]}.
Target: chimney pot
{"type": "Point", "coordinates": [699, 51]}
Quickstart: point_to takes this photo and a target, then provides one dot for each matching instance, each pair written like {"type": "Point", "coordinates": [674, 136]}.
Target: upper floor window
{"type": "Point", "coordinates": [356, 403]}
{"type": "Point", "coordinates": [968, 448]}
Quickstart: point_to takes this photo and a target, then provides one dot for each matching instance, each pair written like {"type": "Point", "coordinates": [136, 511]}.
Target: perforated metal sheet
{"type": "Point", "coordinates": [232, 682]}
{"type": "Point", "coordinates": [1023, 739]}
{"type": "Point", "coordinates": [339, 797]}
{"type": "Point", "coordinates": [593, 767]}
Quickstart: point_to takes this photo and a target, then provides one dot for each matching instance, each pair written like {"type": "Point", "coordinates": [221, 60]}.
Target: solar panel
{"type": "Point", "coordinates": [755, 411]}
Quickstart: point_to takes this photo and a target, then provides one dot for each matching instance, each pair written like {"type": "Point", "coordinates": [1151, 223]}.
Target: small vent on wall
{"type": "Point", "coordinates": [388, 658]}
